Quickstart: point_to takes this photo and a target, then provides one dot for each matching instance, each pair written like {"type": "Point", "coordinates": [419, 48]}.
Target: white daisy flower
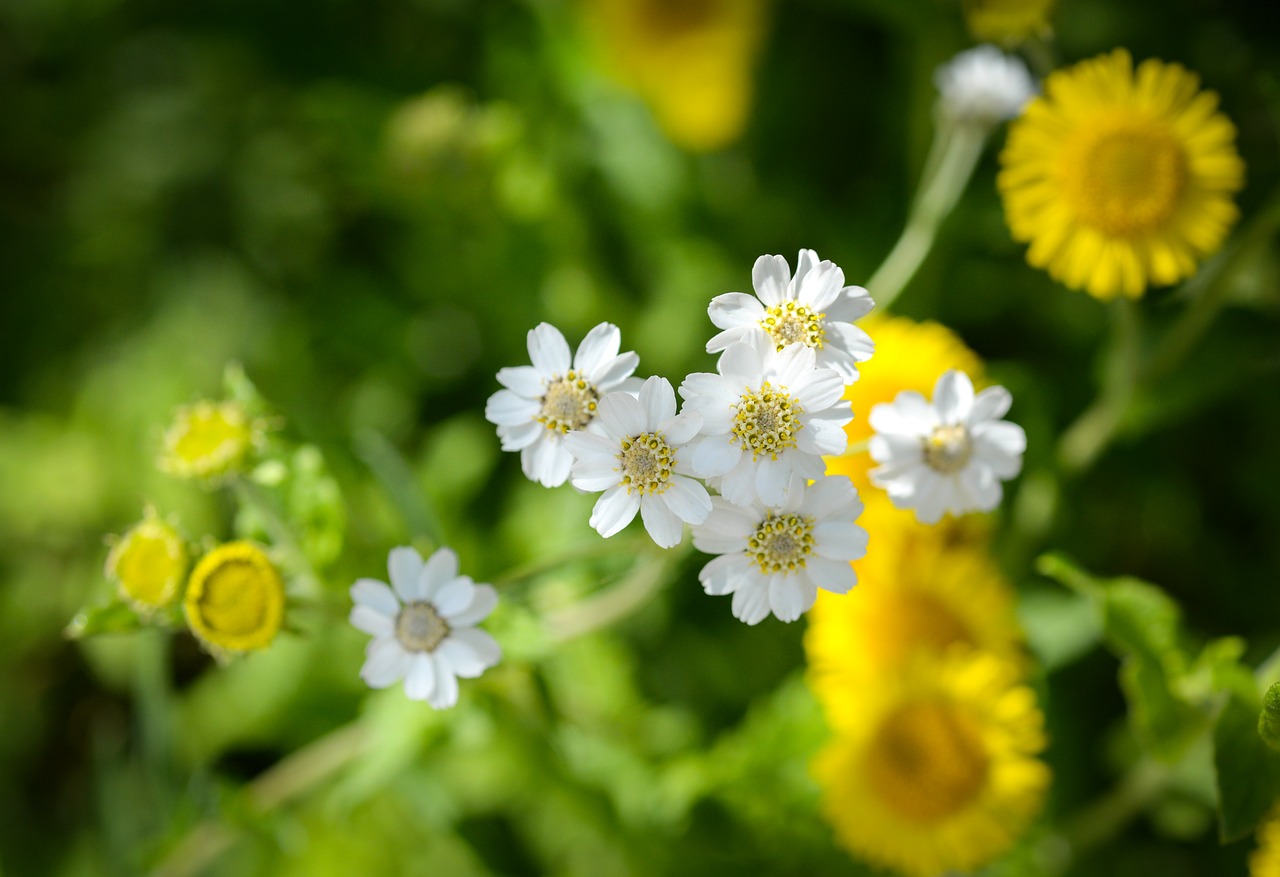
{"type": "Point", "coordinates": [983, 85]}
{"type": "Point", "coordinates": [544, 402]}
{"type": "Point", "coordinates": [641, 464]}
{"type": "Point", "coordinates": [768, 417]}
{"type": "Point", "coordinates": [814, 308]}
{"type": "Point", "coordinates": [948, 456]}
{"type": "Point", "coordinates": [424, 630]}
{"type": "Point", "coordinates": [774, 560]}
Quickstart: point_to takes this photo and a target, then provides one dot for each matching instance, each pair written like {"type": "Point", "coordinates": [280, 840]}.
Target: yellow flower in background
{"type": "Point", "coordinates": [1265, 860]}
{"type": "Point", "coordinates": [936, 769]}
{"type": "Point", "coordinates": [235, 599]}
{"type": "Point", "coordinates": [916, 594]}
{"type": "Point", "coordinates": [208, 440]}
{"type": "Point", "coordinates": [909, 356]}
{"type": "Point", "coordinates": [1119, 178]}
{"type": "Point", "coordinates": [148, 563]}
{"type": "Point", "coordinates": [690, 60]}
{"type": "Point", "coordinates": [1007, 21]}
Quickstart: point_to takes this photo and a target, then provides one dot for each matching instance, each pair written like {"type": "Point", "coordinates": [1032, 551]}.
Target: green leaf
{"type": "Point", "coordinates": [1248, 771]}
{"type": "Point", "coordinates": [114, 617]}
{"type": "Point", "coordinates": [1269, 718]}
{"type": "Point", "coordinates": [1141, 625]}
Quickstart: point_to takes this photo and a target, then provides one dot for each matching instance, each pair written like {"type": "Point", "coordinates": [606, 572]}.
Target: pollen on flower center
{"type": "Point", "coordinates": [647, 461]}
{"type": "Point", "coordinates": [782, 543]}
{"type": "Point", "coordinates": [927, 761]}
{"type": "Point", "coordinates": [790, 323]}
{"type": "Point", "coordinates": [948, 449]}
{"type": "Point", "coordinates": [419, 627]}
{"type": "Point", "coordinates": [766, 422]}
{"type": "Point", "coordinates": [1124, 176]}
{"type": "Point", "coordinates": [569, 403]}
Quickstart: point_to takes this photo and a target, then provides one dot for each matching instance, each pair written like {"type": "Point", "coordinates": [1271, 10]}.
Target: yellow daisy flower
{"type": "Point", "coordinates": [936, 769]}
{"type": "Point", "coordinates": [916, 594]}
{"type": "Point", "coordinates": [1120, 178]}
{"type": "Point", "coordinates": [1265, 860]}
{"type": "Point", "coordinates": [209, 440]}
{"type": "Point", "coordinates": [235, 599]}
{"type": "Point", "coordinates": [1007, 21]}
{"type": "Point", "coordinates": [148, 563]}
{"type": "Point", "coordinates": [909, 356]}
{"type": "Point", "coordinates": [690, 60]}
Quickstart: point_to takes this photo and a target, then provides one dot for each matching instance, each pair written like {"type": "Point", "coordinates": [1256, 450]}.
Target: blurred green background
{"type": "Point", "coordinates": [368, 205]}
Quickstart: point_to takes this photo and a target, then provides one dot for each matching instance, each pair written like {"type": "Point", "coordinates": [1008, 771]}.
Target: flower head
{"type": "Point", "coordinates": [148, 563]}
{"type": "Point", "coordinates": [1265, 859]}
{"type": "Point", "coordinates": [813, 308]}
{"type": "Point", "coordinates": [948, 456]}
{"type": "Point", "coordinates": [423, 626]}
{"type": "Point", "coordinates": [934, 770]}
{"type": "Point", "coordinates": [1120, 178]}
{"type": "Point", "coordinates": [209, 440]}
{"type": "Point", "coordinates": [776, 559]}
{"type": "Point", "coordinates": [641, 464]}
{"type": "Point", "coordinates": [767, 419]}
{"type": "Point", "coordinates": [544, 402]}
{"type": "Point", "coordinates": [235, 599]}
{"type": "Point", "coordinates": [983, 85]}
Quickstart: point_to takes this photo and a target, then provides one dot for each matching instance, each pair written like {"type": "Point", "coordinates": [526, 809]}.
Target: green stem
{"type": "Point", "coordinates": [1108, 816]}
{"type": "Point", "coordinates": [618, 602]}
{"type": "Point", "coordinates": [1085, 439]}
{"type": "Point", "coordinates": [281, 533]}
{"type": "Point", "coordinates": [938, 195]}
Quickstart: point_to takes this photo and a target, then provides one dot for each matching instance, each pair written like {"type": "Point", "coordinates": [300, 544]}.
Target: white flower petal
{"type": "Point", "coordinates": [822, 389]}
{"type": "Point", "coordinates": [663, 524]}
{"type": "Point", "coordinates": [523, 380]}
{"type": "Point", "coordinates": [908, 414]}
{"type": "Point", "coordinates": [658, 401]}
{"type": "Point", "coordinates": [587, 447]}
{"type": "Point", "coordinates": [724, 574]}
{"type": "Point", "coordinates": [595, 475]}
{"type": "Point", "coordinates": [953, 396]}
{"type": "Point", "coordinates": [369, 620]}
{"type": "Point", "coordinates": [548, 351]}
{"type": "Point", "coordinates": [1000, 445]}
{"type": "Point", "coordinates": [991, 404]}
{"type": "Point", "coordinates": [790, 596]}
{"type": "Point", "coordinates": [734, 310]}
{"type": "Point", "coordinates": [792, 367]}
{"type": "Point", "coordinates": [751, 602]}
{"type": "Point", "coordinates": [506, 408]}
{"type": "Point", "coordinates": [549, 462]}
{"type": "Point", "coordinates": [708, 387]}
{"type": "Point", "coordinates": [839, 540]}
{"type": "Point", "coordinates": [688, 499]}
{"type": "Point", "coordinates": [469, 652]}
{"type": "Point", "coordinates": [739, 484]}
{"type": "Point", "coordinates": [483, 600]}
{"type": "Point", "coordinates": [385, 664]}
{"type": "Point", "coordinates": [853, 303]}
{"type": "Point", "coordinates": [820, 286]}
{"type": "Point", "coordinates": [825, 438]}
{"type": "Point", "coordinates": [517, 438]}
{"type": "Point", "coordinates": [445, 695]}
{"type": "Point", "coordinates": [836, 576]}
{"type": "Point", "coordinates": [376, 595]}
{"type": "Point", "coordinates": [770, 277]}
{"type": "Point", "coordinates": [615, 508]}
{"type": "Point", "coordinates": [420, 682]}
{"type": "Point", "coordinates": [622, 415]}
{"type": "Point", "coordinates": [453, 596]}
{"type": "Point", "coordinates": [440, 569]}
{"type": "Point", "coordinates": [851, 340]}
{"type": "Point", "coordinates": [681, 429]}
{"type": "Point", "coordinates": [405, 565]}
{"type": "Point", "coordinates": [599, 347]}
{"type": "Point", "coordinates": [714, 455]}
{"type": "Point", "coordinates": [721, 340]}
{"type": "Point", "coordinates": [772, 480]}
{"type": "Point", "coordinates": [741, 365]}
{"type": "Point", "coordinates": [614, 373]}
{"type": "Point", "coordinates": [806, 261]}
{"type": "Point", "coordinates": [831, 496]}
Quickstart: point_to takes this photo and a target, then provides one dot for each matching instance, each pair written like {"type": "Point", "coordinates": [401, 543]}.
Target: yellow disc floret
{"type": "Point", "coordinates": [208, 440]}
{"type": "Point", "coordinates": [791, 323]}
{"type": "Point", "coordinates": [647, 462]}
{"type": "Point", "coordinates": [766, 422]}
{"type": "Point", "coordinates": [1120, 178]}
{"type": "Point", "coordinates": [235, 598]}
{"type": "Point", "coordinates": [781, 543]}
{"type": "Point", "coordinates": [148, 564]}
{"type": "Point", "coordinates": [568, 404]}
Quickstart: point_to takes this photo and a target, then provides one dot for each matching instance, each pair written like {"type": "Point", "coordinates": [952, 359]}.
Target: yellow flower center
{"type": "Point", "coordinates": [790, 323]}
{"type": "Point", "coordinates": [903, 623]}
{"type": "Point", "coordinates": [207, 439]}
{"type": "Point", "coordinates": [647, 461]}
{"type": "Point", "coordinates": [235, 599]}
{"type": "Point", "coordinates": [569, 403]}
{"type": "Point", "coordinates": [767, 421]}
{"type": "Point", "coordinates": [948, 449]}
{"type": "Point", "coordinates": [419, 627]}
{"type": "Point", "coordinates": [927, 761]}
{"type": "Point", "coordinates": [674, 18]}
{"type": "Point", "coordinates": [148, 563]}
{"type": "Point", "coordinates": [782, 543]}
{"type": "Point", "coordinates": [1125, 175]}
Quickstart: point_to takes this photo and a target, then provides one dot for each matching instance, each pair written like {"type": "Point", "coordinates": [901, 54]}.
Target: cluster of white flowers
{"type": "Point", "coordinates": [755, 432]}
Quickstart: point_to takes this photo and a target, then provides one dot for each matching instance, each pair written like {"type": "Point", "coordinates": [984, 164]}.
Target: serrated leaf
{"type": "Point", "coordinates": [1269, 718]}
{"type": "Point", "coordinates": [114, 617]}
{"type": "Point", "coordinates": [1248, 772]}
